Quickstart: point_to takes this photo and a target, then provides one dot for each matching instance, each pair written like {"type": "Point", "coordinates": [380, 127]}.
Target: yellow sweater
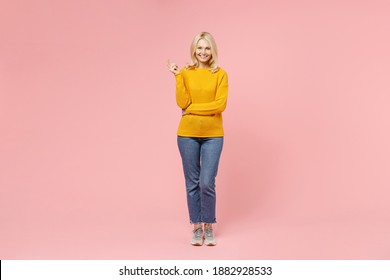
{"type": "Point", "coordinates": [203, 95]}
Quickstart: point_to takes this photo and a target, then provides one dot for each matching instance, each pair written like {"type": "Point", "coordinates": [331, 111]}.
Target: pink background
{"type": "Point", "coordinates": [89, 167]}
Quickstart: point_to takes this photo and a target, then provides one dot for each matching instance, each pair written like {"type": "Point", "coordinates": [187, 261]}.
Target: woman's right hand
{"type": "Point", "coordinates": [173, 67]}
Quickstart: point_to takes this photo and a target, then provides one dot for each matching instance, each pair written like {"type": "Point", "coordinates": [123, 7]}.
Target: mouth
{"type": "Point", "coordinates": [203, 56]}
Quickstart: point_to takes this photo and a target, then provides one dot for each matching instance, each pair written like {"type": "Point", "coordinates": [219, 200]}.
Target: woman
{"type": "Point", "coordinates": [201, 93]}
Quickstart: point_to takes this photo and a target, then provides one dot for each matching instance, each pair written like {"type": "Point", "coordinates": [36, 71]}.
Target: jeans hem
{"type": "Point", "coordinates": [193, 223]}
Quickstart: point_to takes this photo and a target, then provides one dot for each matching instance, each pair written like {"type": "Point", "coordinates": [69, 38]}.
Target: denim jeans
{"type": "Point", "coordinates": [200, 158]}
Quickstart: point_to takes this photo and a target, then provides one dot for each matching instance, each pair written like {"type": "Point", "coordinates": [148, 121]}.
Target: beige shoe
{"type": "Point", "coordinates": [209, 238]}
{"type": "Point", "coordinates": [197, 237]}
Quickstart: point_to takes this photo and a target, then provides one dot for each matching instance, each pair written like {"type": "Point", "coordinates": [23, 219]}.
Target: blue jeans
{"type": "Point", "coordinates": [200, 158]}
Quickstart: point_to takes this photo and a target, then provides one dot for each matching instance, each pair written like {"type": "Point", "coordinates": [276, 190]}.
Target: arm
{"type": "Point", "coordinates": [183, 98]}
{"type": "Point", "coordinates": [216, 106]}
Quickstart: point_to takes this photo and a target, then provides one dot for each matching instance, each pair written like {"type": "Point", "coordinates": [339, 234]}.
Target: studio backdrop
{"type": "Point", "coordinates": [89, 164]}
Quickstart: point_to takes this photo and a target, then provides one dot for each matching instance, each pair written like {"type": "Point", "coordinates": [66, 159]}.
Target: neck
{"type": "Point", "coordinates": [203, 65]}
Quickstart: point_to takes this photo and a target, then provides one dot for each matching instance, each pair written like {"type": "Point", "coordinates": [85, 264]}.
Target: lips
{"type": "Point", "coordinates": [203, 56]}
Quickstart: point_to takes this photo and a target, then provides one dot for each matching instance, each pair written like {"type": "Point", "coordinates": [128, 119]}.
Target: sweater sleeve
{"type": "Point", "coordinates": [183, 97]}
{"type": "Point", "coordinates": [216, 106]}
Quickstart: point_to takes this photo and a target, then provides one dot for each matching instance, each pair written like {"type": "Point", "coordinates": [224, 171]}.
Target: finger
{"type": "Point", "coordinates": [172, 65]}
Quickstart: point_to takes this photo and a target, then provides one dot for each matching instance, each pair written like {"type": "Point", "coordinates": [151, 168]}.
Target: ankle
{"type": "Point", "coordinates": [208, 226]}
{"type": "Point", "coordinates": [197, 226]}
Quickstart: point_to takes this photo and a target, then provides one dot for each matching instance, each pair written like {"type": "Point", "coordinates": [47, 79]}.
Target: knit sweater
{"type": "Point", "coordinates": [203, 95]}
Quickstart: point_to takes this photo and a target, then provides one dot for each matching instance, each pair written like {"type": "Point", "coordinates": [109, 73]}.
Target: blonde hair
{"type": "Point", "coordinates": [214, 52]}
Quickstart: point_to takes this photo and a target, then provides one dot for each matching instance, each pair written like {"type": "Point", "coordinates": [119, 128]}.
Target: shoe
{"type": "Point", "coordinates": [209, 238]}
{"type": "Point", "coordinates": [197, 237]}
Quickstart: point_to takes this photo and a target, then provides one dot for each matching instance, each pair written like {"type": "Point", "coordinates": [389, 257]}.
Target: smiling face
{"type": "Point", "coordinates": [203, 53]}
